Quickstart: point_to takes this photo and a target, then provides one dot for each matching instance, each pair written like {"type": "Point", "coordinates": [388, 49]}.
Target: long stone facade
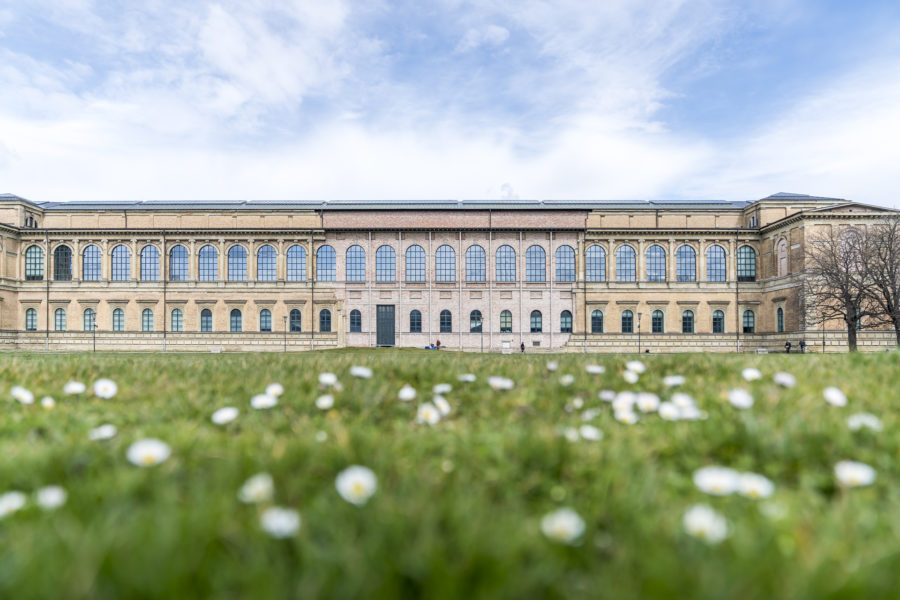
{"type": "Point", "coordinates": [606, 276]}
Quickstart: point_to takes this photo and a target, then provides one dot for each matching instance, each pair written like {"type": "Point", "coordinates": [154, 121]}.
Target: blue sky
{"type": "Point", "coordinates": [449, 99]}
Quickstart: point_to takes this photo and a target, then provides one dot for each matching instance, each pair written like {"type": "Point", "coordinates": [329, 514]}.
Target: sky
{"type": "Point", "coordinates": [418, 99]}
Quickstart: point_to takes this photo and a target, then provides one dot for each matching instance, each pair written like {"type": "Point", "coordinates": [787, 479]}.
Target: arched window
{"type": "Point", "coordinates": [475, 263]}
{"type": "Point", "coordinates": [149, 263]}
{"type": "Point", "coordinates": [34, 263]}
{"type": "Point", "coordinates": [506, 263]}
{"type": "Point", "coordinates": [326, 266]}
{"type": "Point", "coordinates": [177, 320]}
{"type": "Point", "coordinates": [686, 263]}
{"type": "Point", "coordinates": [656, 263]}
{"type": "Point", "coordinates": [237, 263]}
{"type": "Point", "coordinates": [597, 321]}
{"type": "Point", "coordinates": [537, 321]}
{"type": "Point", "coordinates": [535, 264]}
{"type": "Point", "coordinates": [595, 267]}
{"type": "Point", "coordinates": [59, 319]}
{"type": "Point", "coordinates": [626, 269]}
{"type": "Point", "coordinates": [565, 322]}
{"type": "Point", "coordinates": [446, 321]}
{"type": "Point", "coordinates": [687, 322]}
{"type": "Point", "coordinates": [746, 263]}
{"type": "Point", "coordinates": [780, 319]}
{"type": "Point", "coordinates": [208, 262]}
{"type": "Point", "coordinates": [657, 322]}
{"type": "Point", "coordinates": [718, 322]}
{"type": "Point", "coordinates": [237, 323]}
{"type": "Point", "coordinates": [118, 320]}
{"type": "Point", "coordinates": [715, 263]}
{"type": "Point", "coordinates": [90, 263]}
{"type": "Point", "coordinates": [445, 263]}
{"type": "Point", "coordinates": [31, 320]}
{"type": "Point", "coordinates": [475, 321]}
{"type": "Point", "coordinates": [296, 263]}
{"type": "Point", "coordinates": [565, 263]}
{"type": "Point", "coordinates": [178, 263]}
{"type": "Point", "coordinates": [325, 320]}
{"type": "Point", "coordinates": [505, 322]}
{"type": "Point", "coordinates": [355, 321]}
{"type": "Point", "coordinates": [89, 318]}
{"type": "Point", "coordinates": [782, 252]}
{"type": "Point", "coordinates": [265, 320]}
{"type": "Point", "coordinates": [415, 264]}
{"type": "Point", "coordinates": [385, 264]}
{"type": "Point", "coordinates": [266, 269]}
{"type": "Point", "coordinates": [749, 321]}
{"type": "Point", "coordinates": [356, 263]}
{"type": "Point", "coordinates": [415, 319]}
{"type": "Point", "coordinates": [62, 263]}
{"type": "Point", "coordinates": [295, 320]}
{"type": "Point", "coordinates": [627, 322]}
{"type": "Point", "coordinates": [121, 263]}
{"type": "Point", "coordinates": [206, 321]}
{"type": "Point", "coordinates": [147, 320]}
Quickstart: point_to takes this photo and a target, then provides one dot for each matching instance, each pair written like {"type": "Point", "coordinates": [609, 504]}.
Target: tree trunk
{"type": "Point", "coordinates": [897, 331]}
{"type": "Point", "coordinates": [851, 336]}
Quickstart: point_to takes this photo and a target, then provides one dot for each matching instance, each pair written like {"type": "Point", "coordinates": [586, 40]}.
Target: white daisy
{"type": "Point", "coordinates": [669, 412]}
{"type": "Point", "coordinates": [577, 403]}
{"type": "Point", "coordinates": [567, 380]}
{"type": "Point", "coordinates": [552, 365]}
{"type": "Point", "coordinates": [751, 374]}
{"type": "Point", "coordinates": [606, 395]}
{"type": "Point", "coordinates": [361, 372]}
{"type": "Point", "coordinates": [673, 380]}
{"type": "Point", "coordinates": [327, 379]}
{"type": "Point", "coordinates": [275, 389]}
{"type": "Point", "coordinates": [407, 393]}
{"type": "Point", "coordinates": [784, 379]}
{"type": "Point", "coordinates": [571, 434]}
{"type": "Point", "coordinates": [325, 402]}
{"type": "Point", "coordinates": [740, 398]}
{"type": "Point", "coordinates": [428, 413]}
{"type": "Point", "coordinates": [635, 366]}
{"type": "Point", "coordinates": [755, 486]}
{"type": "Point", "coordinates": [590, 433]}
{"type": "Point", "coordinates": [563, 525]}
{"type": "Point", "coordinates": [500, 383]}
{"type": "Point", "coordinates": [257, 489]}
{"type": "Point", "coordinates": [718, 481]}
{"type": "Point", "coordinates": [691, 413]}
{"type": "Point", "coordinates": [854, 474]}
{"type": "Point", "coordinates": [834, 396]}
{"type": "Point", "coordinates": [224, 415]}
{"type": "Point", "coordinates": [356, 484]}
{"type": "Point", "coordinates": [624, 401]}
{"type": "Point", "coordinates": [466, 377]}
{"type": "Point", "coordinates": [442, 405]}
{"type": "Point", "coordinates": [148, 452]}
{"type": "Point", "coordinates": [280, 522]}
{"type": "Point", "coordinates": [263, 401]}
{"type": "Point", "coordinates": [647, 402]}
{"type": "Point", "coordinates": [627, 417]}
{"type": "Point", "coordinates": [859, 420]}
{"type": "Point", "coordinates": [442, 389]}
{"type": "Point", "coordinates": [590, 414]}
{"type": "Point", "coordinates": [11, 502]}
{"type": "Point", "coordinates": [103, 432]}
{"type": "Point", "coordinates": [630, 376]}
{"type": "Point", "coordinates": [321, 436]}
{"type": "Point", "coordinates": [703, 522]}
{"type": "Point", "coordinates": [50, 497]}
{"type": "Point", "coordinates": [682, 400]}
{"type": "Point", "coordinates": [21, 394]}
{"type": "Point", "coordinates": [48, 402]}
{"type": "Point", "coordinates": [73, 388]}
{"type": "Point", "coordinates": [105, 388]}
{"type": "Point", "coordinates": [595, 369]}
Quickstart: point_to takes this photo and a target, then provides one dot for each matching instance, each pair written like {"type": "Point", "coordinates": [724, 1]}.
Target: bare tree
{"type": "Point", "coordinates": [882, 254]}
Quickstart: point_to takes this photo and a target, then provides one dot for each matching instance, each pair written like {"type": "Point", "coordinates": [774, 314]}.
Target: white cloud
{"type": "Point", "coordinates": [490, 35]}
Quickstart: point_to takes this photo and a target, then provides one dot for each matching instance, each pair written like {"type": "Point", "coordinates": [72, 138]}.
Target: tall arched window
{"type": "Point", "coordinates": [325, 320]}
{"type": "Point", "coordinates": [266, 267]}
{"type": "Point", "coordinates": [147, 320]}
{"type": "Point", "coordinates": [415, 321]}
{"type": "Point", "coordinates": [34, 263]}
{"type": "Point", "coordinates": [718, 322]}
{"type": "Point", "coordinates": [356, 263]}
{"type": "Point", "coordinates": [31, 320]}
{"type": "Point", "coordinates": [746, 263]}
{"type": "Point", "coordinates": [749, 321]}
{"type": "Point", "coordinates": [597, 321]}
{"type": "Point", "coordinates": [595, 264]}
{"type": "Point", "coordinates": [206, 320]}
{"type": "Point", "coordinates": [121, 263]}
{"type": "Point", "coordinates": [118, 320]}
{"type": "Point", "coordinates": [355, 321]}
{"type": "Point", "coordinates": [237, 263]}
{"type": "Point", "coordinates": [715, 263]}
{"type": "Point", "coordinates": [296, 320]}
{"type": "Point", "coordinates": [385, 264]}
{"type": "Point", "coordinates": [446, 321]}
{"type": "Point", "coordinates": [445, 263]}
{"type": "Point", "coordinates": [782, 252]}
{"type": "Point", "coordinates": [475, 321]}
{"type": "Point", "coordinates": [627, 322]}
{"type": "Point", "coordinates": [626, 268]}
{"type": "Point", "coordinates": [62, 263]}
{"type": "Point", "coordinates": [686, 263]}
{"type": "Point", "coordinates": [208, 263]}
{"type": "Point", "coordinates": [537, 322]}
{"type": "Point", "coordinates": [88, 319]}
{"type": "Point", "coordinates": [326, 265]}
{"type": "Point", "coordinates": [505, 322]}
{"type": "Point", "coordinates": [535, 264]}
{"type": "Point", "coordinates": [265, 320]}
{"type": "Point", "coordinates": [415, 264]}
{"type": "Point", "coordinates": [780, 319]}
{"type": "Point", "coordinates": [91, 263]}
{"type": "Point", "coordinates": [296, 263]}
{"type": "Point", "coordinates": [475, 263]}
{"type": "Point", "coordinates": [506, 263]}
{"type": "Point", "coordinates": [177, 320]}
{"type": "Point", "coordinates": [656, 263]}
{"type": "Point", "coordinates": [178, 263]}
{"type": "Point", "coordinates": [657, 322]}
{"type": "Point", "coordinates": [565, 263]}
{"type": "Point", "coordinates": [565, 322]}
{"type": "Point", "coordinates": [149, 263]}
{"type": "Point", "coordinates": [237, 321]}
{"type": "Point", "coordinates": [59, 319]}
{"type": "Point", "coordinates": [687, 321]}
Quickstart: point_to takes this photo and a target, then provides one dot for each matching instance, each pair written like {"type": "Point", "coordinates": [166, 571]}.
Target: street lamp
{"type": "Point", "coordinates": [285, 332]}
{"type": "Point", "coordinates": [94, 332]}
{"type": "Point", "coordinates": [823, 332]}
{"type": "Point", "coordinates": [639, 333]}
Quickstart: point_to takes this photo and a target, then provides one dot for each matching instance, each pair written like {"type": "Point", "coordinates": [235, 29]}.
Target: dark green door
{"type": "Point", "coordinates": [384, 318]}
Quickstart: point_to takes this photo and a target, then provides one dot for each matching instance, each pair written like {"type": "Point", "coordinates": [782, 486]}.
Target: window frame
{"type": "Point", "coordinates": [355, 321]}
{"type": "Point", "coordinates": [34, 263]}
{"type": "Point", "coordinates": [386, 264]}
{"type": "Point", "coordinates": [657, 321]}
{"type": "Point", "coordinates": [476, 264]}
{"type": "Point", "coordinates": [295, 320]}
{"type": "Point", "coordinates": [506, 321]}
{"type": "Point", "coordinates": [31, 320]}
{"type": "Point", "coordinates": [536, 321]}
{"type": "Point", "coordinates": [627, 318]}
{"type": "Point", "coordinates": [595, 264]}
{"type": "Point", "coordinates": [505, 264]}
{"type": "Point", "coordinates": [62, 263]}
{"type": "Point", "coordinates": [445, 264]}
{"type": "Point", "coordinates": [120, 263]}
{"type": "Point", "coordinates": [118, 319]}
{"type": "Point", "coordinates": [147, 320]}
{"type": "Point", "coordinates": [414, 269]}
{"type": "Point", "coordinates": [685, 263]}
{"type": "Point", "coordinates": [149, 263]}
{"type": "Point", "coordinates": [355, 264]}
{"type": "Point", "coordinates": [176, 320]}
{"type": "Point", "coordinates": [687, 322]}
{"type": "Point", "coordinates": [446, 321]}
{"type": "Point", "coordinates": [746, 263]}
{"type": "Point", "coordinates": [626, 264]}
{"type": "Point", "coordinates": [265, 321]}
{"type": "Point", "coordinates": [266, 263]}
{"type": "Point", "coordinates": [208, 263]}
{"type": "Point", "coordinates": [565, 322]}
{"type": "Point", "coordinates": [206, 321]}
{"type": "Point", "coordinates": [91, 263]}
{"type": "Point", "coordinates": [237, 263]}
{"type": "Point", "coordinates": [178, 263]}
{"type": "Point", "coordinates": [326, 263]}
{"type": "Point", "coordinates": [748, 322]}
{"type": "Point", "coordinates": [235, 321]}
{"type": "Point", "coordinates": [656, 263]}
{"type": "Point", "coordinates": [565, 264]}
{"type": "Point", "coordinates": [718, 321]}
{"type": "Point", "coordinates": [476, 322]}
{"type": "Point", "coordinates": [325, 321]}
{"type": "Point", "coordinates": [596, 321]}
{"type": "Point", "coordinates": [415, 321]}
{"type": "Point", "coordinates": [716, 264]}
{"type": "Point", "coordinates": [296, 263]}
{"type": "Point", "coordinates": [59, 319]}
{"type": "Point", "coordinates": [535, 264]}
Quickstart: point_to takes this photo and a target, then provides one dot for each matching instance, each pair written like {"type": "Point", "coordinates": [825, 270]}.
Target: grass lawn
{"type": "Point", "coordinates": [458, 507]}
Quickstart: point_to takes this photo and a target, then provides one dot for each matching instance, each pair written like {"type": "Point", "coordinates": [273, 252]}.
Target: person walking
{"type": "Point", "coordinates": [522, 347]}
{"type": "Point", "coordinates": [802, 346]}
{"type": "Point", "coordinates": [787, 347]}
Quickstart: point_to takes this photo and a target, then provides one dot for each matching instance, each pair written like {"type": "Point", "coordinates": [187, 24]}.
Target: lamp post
{"type": "Point", "coordinates": [94, 332]}
{"type": "Point", "coordinates": [823, 333]}
{"type": "Point", "coordinates": [639, 333]}
{"type": "Point", "coordinates": [285, 319]}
